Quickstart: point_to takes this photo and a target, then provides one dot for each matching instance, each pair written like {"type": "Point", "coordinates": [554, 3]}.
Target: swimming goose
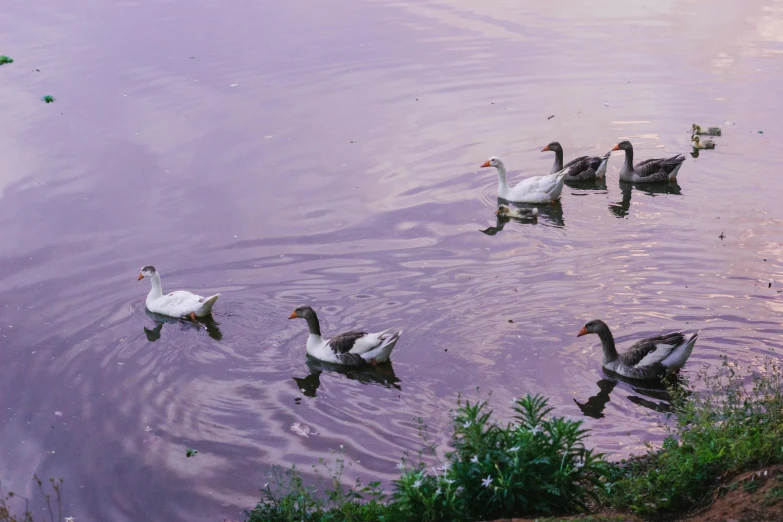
{"type": "Point", "coordinates": [653, 170]}
{"type": "Point", "coordinates": [519, 213]}
{"type": "Point", "coordinates": [585, 168]}
{"type": "Point", "coordinates": [349, 348]}
{"type": "Point", "coordinates": [649, 358]}
{"type": "Point", "coordinates": [711, 131]}
{"type": "Point", "coordinates": [701, 145]}
{"type": "Point", "coordinates": [538, 189]}
{"type": "Point", "coordinates": [176, 304]}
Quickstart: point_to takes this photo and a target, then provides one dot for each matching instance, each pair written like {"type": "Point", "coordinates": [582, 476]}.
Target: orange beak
{"type": "Point", "coordinates": [545, 149]}
{"type": "Point", "coordinates": [485, 164]}
{"type": "Point", "coordinates": [582, 332]}
{"type": "Point", "coordinates": [293, 315]}
{"type": "Point", "coordinates": [616, 147]}
{"type": "Point", "coordinates": [141, 276]}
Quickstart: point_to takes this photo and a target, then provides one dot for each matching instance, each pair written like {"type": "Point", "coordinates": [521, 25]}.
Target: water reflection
{"type": "Point", "coordinates": [621, 208]}
{"type": "Point", "coordinates": [655, 394]}
{"type": "Point", "coordinates": [153, 334]}
{"type": "Point", "coordinates": [597, 184]}
{"type": "Point", "coordinates": [382, 374]}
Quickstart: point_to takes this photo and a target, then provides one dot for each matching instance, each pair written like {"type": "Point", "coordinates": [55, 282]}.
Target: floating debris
{"type": "Point", "coordinates": [510, 320]}
{"type": "Point", "coordinates": [551, 117]}
{"type": "Point", "coordinates": [48, 99]}
{"type": "Point", "coordinates": [6, 59]}
{"type": "Point", "coordinates": [190, 452]}
{"type": "Point", "coordinates": [300, 429]}
{"type": "Point", "coordinates": [761, 132]}
{"type": "Point", "coordinates": [721, 236]}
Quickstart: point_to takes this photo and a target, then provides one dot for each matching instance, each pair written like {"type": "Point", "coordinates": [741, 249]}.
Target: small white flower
{"type": "Point", "coordinates": [466, 425]}
{"type": "Point", "coordinates": [535, 430]}
{"type": "Point", "coordinates": [474, 460]}
{"type": "Point", "coordinates": [400, 465]}
{"type": "Point", "coordinates": [417, 484]}
{"type": "Point", "coordinates": [579, 464]}
{"type": "Point", "coordinates": [69, 519]}
{"type": "Point", "coordinates": [514, 449]}
{"type": "Point", "coordinates": [438, 492]}
{"type": "Point", "coordinates": [449, 481]}
{"type": "Point", "coordinates": [444, 467]}
{"type": "Point", "coordinates": [487, 481]}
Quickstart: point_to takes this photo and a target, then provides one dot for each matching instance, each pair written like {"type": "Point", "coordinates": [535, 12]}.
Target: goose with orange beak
{"type": "Point", "coordinates": [653, 170]}
{"type": "Point", "coordinates": [349, 348]}
{"type": "Point", "coordinates": [650, 358]}
{"type": "Point", "coordinates": [178, 304]}
{"type": "Point", "coordinates": [583, 168]}
{"type": "Point", "coordinates": [538, 189]}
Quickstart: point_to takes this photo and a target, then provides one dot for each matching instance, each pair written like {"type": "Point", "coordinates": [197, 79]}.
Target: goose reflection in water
{"type": "Point", "coordinates": [620, 209]}
{"type": "Point", "coordinates": [153, 334]}
{"type": "Point", "coordinates": [382, 374]}
{"type": "Point", "coordinates": [550, 213]}
{"type": "Point", "coordinates": [596, 184]}
{"type": "Point", "coordinates": [657, 395]}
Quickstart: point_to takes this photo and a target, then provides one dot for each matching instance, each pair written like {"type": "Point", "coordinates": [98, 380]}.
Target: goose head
{"type": "Point", "coordinates": [147, 271]}
{"type": "Point", "coordinates": [494, 161]}
{"type": "Point", "coordinates": [554, 147]}
{"type": "Point", "coordinates": [695, 128]}
{"type": "Point", "coordinates": [503, 211]}
{"type": "Point", "coordinates": [595, 326]}
{"type": "Point", "coordinates": [695, 139]}
{"type": "Point", "coordinates": [302, 312]}
{"type": "Point", "coordinates": [623, 145]}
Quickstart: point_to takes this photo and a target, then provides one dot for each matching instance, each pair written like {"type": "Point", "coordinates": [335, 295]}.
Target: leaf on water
{"type": "Point", "coordinates": [300, 429]}
{"type": "Point", "coordinates": [6, 59]}
{"type": "Point", "coordinates": [190, 452]}
{"type": "Point", "coordinates": [48, 99]}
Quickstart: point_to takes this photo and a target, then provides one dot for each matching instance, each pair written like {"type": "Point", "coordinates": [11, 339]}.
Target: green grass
{"type": "Point", "coordinates": [731, 427]}
{"type": "Point", "coordinates": [48, 99]}
{"type": "Point", "coordinates": [5, 59]}
{"type": "Point", "coordinates": [536, 464]}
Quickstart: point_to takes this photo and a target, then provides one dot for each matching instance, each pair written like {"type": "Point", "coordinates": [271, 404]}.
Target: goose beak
{"type": "Point", "coordinates": [582, 332]}
{"type": "Point", "coordinates": [616, 147]}
{"type": "Point", "coordinates": [545, 149]}
{"type": "Point", "coordinates": [485, 164]}
{"type": "Point", "coordinates": [141, 276]}
{"type": "Point", "coordinates": [293, 315]}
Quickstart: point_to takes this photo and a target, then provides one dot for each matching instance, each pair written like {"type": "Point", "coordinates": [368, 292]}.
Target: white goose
{"type": "Point", "coordinates": [538, 189]}
{"type": "Point", "coordinates": [176, 304]}
{"type": "Point", "coordinates": [349, 348]}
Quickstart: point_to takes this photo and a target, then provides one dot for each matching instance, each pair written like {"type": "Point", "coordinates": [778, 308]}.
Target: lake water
{"type": "Point", "coordinates": [327, 153]}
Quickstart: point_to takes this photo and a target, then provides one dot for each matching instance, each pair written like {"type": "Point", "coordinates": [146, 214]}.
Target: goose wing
{"type": "Point", "coordinates": [655, 168]}
{"type": "Point", "coordinates": [652, 350]}
{"type": "Point", "coordinates": [356, 342]}
{"type": "Point", "coordinates": [180, 302]}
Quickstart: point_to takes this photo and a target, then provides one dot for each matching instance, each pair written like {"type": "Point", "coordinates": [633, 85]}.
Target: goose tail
{"type": "Point", "coordinates": [680, 355]}
{"type": "Point", "coordinates": [382, 353]}
{"type": "Point", "coordinates": [206, 308]}
{"type": "Point", "coordinates": [600, 172]}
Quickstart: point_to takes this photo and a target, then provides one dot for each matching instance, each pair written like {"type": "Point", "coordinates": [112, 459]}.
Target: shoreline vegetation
{"type": "Point", "coordinates": [724, 440]}
{"type": "Point", "coordinates": [721, 459]}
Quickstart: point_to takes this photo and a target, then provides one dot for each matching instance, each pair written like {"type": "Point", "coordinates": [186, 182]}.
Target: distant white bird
{"type": "Point", "coordinates": [176, 304]}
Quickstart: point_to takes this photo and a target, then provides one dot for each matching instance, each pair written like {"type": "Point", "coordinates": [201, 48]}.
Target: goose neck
{"type": "Point", "coordinates": [157, 287]}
